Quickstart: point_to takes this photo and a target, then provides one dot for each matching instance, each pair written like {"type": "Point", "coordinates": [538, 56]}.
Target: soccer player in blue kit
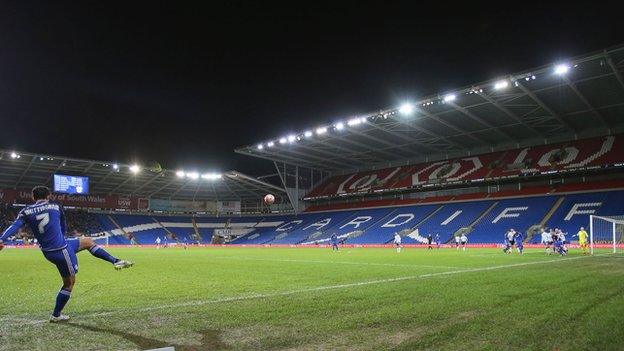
{"type": "Point", "coordinates": [334, 242]}
{"type": "Point", "coordinates": [47, 221]}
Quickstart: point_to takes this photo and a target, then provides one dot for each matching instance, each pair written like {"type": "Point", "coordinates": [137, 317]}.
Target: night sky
{"type": "Point", "coordinates": [185, 85]}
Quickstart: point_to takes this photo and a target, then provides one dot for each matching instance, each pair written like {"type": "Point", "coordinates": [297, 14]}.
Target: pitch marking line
{"type": "Point", "coordinates": [26, 321]}
{"type": "Point", "coordinates": [529, 252]}
{"type": "Point", "coordinates": [335, 262]}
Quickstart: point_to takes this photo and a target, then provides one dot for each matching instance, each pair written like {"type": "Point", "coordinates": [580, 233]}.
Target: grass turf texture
{"type": "Point", "coordinates": [311, 299]}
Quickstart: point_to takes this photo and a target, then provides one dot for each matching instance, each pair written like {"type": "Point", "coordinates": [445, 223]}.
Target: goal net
{"type": "Point", "coordinates": [605, 233]}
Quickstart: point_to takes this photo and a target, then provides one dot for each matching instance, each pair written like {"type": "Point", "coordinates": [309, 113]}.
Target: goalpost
{"type": "Point", "coordinates": [605, 232]}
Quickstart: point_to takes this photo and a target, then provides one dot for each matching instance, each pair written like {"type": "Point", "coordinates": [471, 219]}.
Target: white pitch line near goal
{"type": "Point", "coordinates": [26, 321]}
{"type": "Point", "coordinates": [352, 263]}
{"type": "Point", "coordinates": [526, 253]}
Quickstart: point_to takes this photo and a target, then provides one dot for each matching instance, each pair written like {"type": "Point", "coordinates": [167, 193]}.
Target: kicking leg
{"type": "Point", "coordinates": [99, 252]}
{"type": "Point", "coordinates": [96, 250]}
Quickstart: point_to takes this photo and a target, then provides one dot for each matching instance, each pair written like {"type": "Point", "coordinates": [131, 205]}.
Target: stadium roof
{"type": "Point", "coordinates": [558, 102]}
{"type": "Point", "coordinates": [23, 170]}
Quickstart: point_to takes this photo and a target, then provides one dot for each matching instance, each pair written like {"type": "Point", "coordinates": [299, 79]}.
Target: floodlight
{"type": "Point", "coordinates": [501, 84]}
{"type": "Point", "coordinates": [449, 97]}
{"type": "Point", "coordinates": [14, 155]}
{"type": "Point", "coordinates": [115, 166]}
{"type": "Point", "coordinates": [308, 134]}
{"type": "Point", "coordinates": [354, 121]}
{"type": "Point", "coordinates": [406, 109]}
{"type": "Point", "coordinates": [260, 147]}
{"type": "Point", "coordinates": [270, 144]}
{"type": "Point", "coordinates": [291, 138]}
{"type": "Point", "coordinates": [282, 141]}
{"type": "Point", "coordinates": [321, 130]}
{"type": "Point", "coordinates": [211, 176]}
{"type": "Point", "coordinates": [135, 168]}
{"type": "Point", "coordinates": [180, 174]}
{"type": "Point", "coordinates": [193, 175]}
{"type": "Point", "coordinates": [562, 69]}
{"type": "Point", "coordinates": [339, 126]}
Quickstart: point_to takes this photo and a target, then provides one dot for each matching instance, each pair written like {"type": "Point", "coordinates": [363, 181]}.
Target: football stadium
{"type": "Point", "coordinates": [484, 217]}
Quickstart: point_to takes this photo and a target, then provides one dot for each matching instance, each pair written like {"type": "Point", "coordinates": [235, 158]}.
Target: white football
{"type": "Point", "coordinates": [269, 199]}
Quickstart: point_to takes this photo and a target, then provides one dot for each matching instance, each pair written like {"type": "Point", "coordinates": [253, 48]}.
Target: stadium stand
{"type": "Point", "coordinates": [372, 219]}
{"type": "Point", "coordinates": [483, 219]}
{"type": "Point", "coordinates": [600, 152]}
{"type": "Point", "coordinates": [520, 214]}
{"type": "Point", "coordinates": [256, 237]}
{"type": "Point", "coordinates": [449, 219]}
{"type": "Point", "coordinates": [207, 225]}
{"type": "Point", "coordinates": [353, 224]}
{"type": "Point", "coordinates": [144, 228]}
{"type": "Point", "coordinates": [402, 219]}
{"type": "Point", "coordinates": [575, 209]}
{"type": "Point", "coordinates": [83, 222]}
{"type": "Point", "coordinates": [266, 230]}
{"type": "Point", "coordinates": [299, 229]}
{"type": "Point", "coordinates": [178, 228]}
{"type": "Point", "coordinates": [6, 215]}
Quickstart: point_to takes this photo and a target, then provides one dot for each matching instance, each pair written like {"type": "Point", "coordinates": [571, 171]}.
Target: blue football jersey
{"type": "Point", "coordinates": [47, 222]}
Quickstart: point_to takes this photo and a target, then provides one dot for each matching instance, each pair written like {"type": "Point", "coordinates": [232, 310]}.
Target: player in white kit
{"type": "Point", "coordinates": [397, 242]}
{"type": "Point", "coordinates": [464, 241]}
{"type": "Point", "coordinates": [546, 240]}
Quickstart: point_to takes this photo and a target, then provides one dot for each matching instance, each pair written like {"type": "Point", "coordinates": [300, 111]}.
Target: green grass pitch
{"type": "Point", "coordinates": [314, 299]}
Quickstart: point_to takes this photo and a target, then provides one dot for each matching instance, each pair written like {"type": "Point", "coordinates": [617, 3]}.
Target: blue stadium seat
{"type": "Point", "coordinates": [301, 227]}
{"type": "Point", "coordinates": [105, 222]}
{"type": "Point", "coordinates": [378, 225]}
{"type": "Point", "coordinates": [395, 221]}
{"type": "Point", "coordinates": [354, 221]}
{"type": "Point", "coordinates": [519, 214]}
{"type": "Point", "coordinates": [575, 209]}
{"type": "Point", "coordinates": [265, 230]}
{"type": "Point", "coordinates": [452, 217]}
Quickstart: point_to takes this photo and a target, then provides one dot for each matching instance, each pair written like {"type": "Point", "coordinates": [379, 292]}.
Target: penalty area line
{"type": "Point", "coordinates": [25, 321]}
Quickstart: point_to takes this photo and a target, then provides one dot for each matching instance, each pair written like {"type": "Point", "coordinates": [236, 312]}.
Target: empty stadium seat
{"type": "Point", "coordinates": [520, 214]}
{"type": "Point", "coordinates": [355, 223]}
{"type": "Point", "coordinates": [308, 225]}
{"type": "Point", "coordinates": [593, 152]}
{"type": "Point", "coordinates": [574, 211]}
{"type": "Point", "coordinates": [399, 219]}
{"type": "Point", "coordinates": [452, 217]}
